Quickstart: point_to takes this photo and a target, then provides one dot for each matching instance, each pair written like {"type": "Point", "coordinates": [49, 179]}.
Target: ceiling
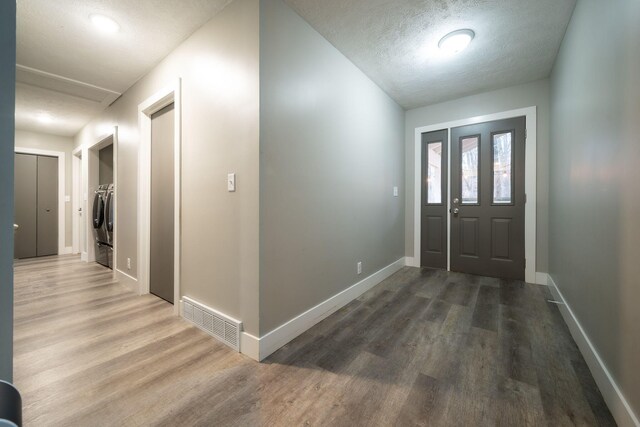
{"type": "Point", "coordinates": [71, 72]}
{"type": "Point", "coordinates": [395, 42]}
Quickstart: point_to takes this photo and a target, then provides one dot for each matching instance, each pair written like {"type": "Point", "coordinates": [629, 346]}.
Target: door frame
{"type": "Point", "coordinates": [62, 174]}
{"type": "Point", "coordinates": [77, 202]}
{"type": "Point", "coordinates": [530, 183]}
{"type": "Point", "coordinates": [90, 177]}
{"type": "Point", "coordinates": [153, 104]}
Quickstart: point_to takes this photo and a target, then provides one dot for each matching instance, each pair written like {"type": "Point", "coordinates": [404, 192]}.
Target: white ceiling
{"type": "Point", "coordinates": [72, 72]}
{"type": "Point", "coordinates": [63, 58]}
{"type": "Point", "coordinates": [395, 42]}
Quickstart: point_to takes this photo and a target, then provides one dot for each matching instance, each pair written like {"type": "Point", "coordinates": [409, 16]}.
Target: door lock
{"type": "Point", "coordinates": [456, 201]}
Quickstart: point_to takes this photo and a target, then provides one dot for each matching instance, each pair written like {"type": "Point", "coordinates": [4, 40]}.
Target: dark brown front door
{"type": "Point", "coordinates": [433, 242]}
{"type": "Point", "coordinates": [487, 198]}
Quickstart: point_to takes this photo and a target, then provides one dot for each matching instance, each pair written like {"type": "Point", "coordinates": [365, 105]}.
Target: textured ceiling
{"type": "Point", "coordinates": [395, 42]}
{"type": "Point", "coordinates": [57, 37]}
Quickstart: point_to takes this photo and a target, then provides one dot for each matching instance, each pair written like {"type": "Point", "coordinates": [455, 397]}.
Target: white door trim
{"type": "Point", "coordinates": [110, 137]}
{"type": "Point", "coordinates": [530, 182]}
{"type": "Point", "coordinates": [62, 173]}
{"type": "Point", "coordinates": [76, 199]}
{"type": "Point", "coordinates": [155, 103]}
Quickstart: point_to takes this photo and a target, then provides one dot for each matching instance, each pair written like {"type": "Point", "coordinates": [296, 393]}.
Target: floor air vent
{"type": "Point", "coordinates": [222, 327]}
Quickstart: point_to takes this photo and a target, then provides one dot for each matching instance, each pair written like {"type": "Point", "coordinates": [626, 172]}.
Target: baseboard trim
{"type": "Point", "coordinates": [84, 256]}
{"type": "Point", "coordinates": [275, 339]}
{"type": "Point", "coordinates": [250, 346]}
{"type": "Point", "coordinates": [617, 403]}
{"type": "Point", "coordinates": [67, 250]}
{"type": "Point", "coordinates": [411, 261]}
{"type": "Point", "coordinates": [127, 280]}
{"type": "Point", "coordinates": [542, 278]}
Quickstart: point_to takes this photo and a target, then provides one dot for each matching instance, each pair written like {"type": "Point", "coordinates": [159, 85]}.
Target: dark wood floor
{"type": "Point", "coordinates": [425, 347]}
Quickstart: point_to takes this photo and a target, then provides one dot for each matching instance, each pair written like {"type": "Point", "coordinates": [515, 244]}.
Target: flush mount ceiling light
{"type": "Point", "coordinates": [45, 118]}
{"type": "Point", "coordinates": [104, 23]}
{"type": "Point", "coordinates": [456, 41]}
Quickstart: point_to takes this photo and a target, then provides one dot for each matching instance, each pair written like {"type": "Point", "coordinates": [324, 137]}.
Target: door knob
{"type": "Point", "coordinates": [456, 211]}
{"type": "Point", "coordinates": [456, 201]}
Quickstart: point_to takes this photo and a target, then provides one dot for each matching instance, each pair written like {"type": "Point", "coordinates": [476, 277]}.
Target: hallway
{"type": "Point", "coordinates": [425, 347]}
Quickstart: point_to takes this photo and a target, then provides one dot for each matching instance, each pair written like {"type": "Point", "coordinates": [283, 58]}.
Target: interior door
{"type": "Point", "coordinates": [488, 199]}
{"type": "Point", "coordinates": [25, 205]}
{"type": "Point", "coordinates": [162, 204]}
{"type": "Point", "coordinates": [433, 222]}
{"type": "Point", "coordinates": [47, 233]}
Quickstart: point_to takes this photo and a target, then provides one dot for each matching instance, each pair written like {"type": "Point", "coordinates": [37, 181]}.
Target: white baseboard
{"type": "Point", "coordinates": [542, 278]}
{"type": "Point", "coordinates": [250, 346]}
{"type": "Point", "coordinates": [275, 339]}
{"type": "Point", "coordinates": [411, 261]}
{"type": "Point", "coordinates": [617, 403]}
{"type": "Point", "coordinates": [84, 256]}
{"type": "Point", "coordinates": [127, 280]}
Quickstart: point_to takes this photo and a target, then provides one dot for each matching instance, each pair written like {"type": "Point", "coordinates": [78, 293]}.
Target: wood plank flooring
{"type": "Point", "coordinates": [425, 347]}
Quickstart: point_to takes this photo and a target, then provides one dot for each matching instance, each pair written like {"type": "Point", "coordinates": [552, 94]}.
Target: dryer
{"type": "Point", "coordinates": [103, 224]}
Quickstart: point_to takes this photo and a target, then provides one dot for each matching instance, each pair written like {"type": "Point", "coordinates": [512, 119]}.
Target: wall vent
{"type": "Point", "coordinates": [220, 326]}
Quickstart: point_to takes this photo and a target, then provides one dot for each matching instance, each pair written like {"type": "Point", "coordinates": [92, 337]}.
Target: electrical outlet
{"type": "Point", "coordinates": [359, 267]}
{"type": "Point", "coordinates": [395, 191]}
{"type": "Point", "coordinates": [128, 263]}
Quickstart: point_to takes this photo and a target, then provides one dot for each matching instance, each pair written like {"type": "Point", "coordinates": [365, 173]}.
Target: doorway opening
{"type": "Point", "coordinates": [159, 195]}
{"type": "Point", "coordinates": [475, 195]}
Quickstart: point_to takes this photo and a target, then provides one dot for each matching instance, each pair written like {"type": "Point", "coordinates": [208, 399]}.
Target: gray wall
{"type": "Point", "coordinates": [595, 200]}
{"type": "Point", "coordinates": [521, 96]}
{"type": "Point", "coordinates": [331, 150]}
{"type": "Point", "coordinates": [7, 120]}
{"type": "Point", "coordinates": [42, 141]}
{"type": "Point", "coordinates": [105, 165]}
{"type": "Point", "coordinates": [219, 66]}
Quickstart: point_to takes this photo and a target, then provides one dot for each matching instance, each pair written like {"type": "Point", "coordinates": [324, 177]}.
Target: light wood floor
{"type": "Point", "coordinates": [423, 348]}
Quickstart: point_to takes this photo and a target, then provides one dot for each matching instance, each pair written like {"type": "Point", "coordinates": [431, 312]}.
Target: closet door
{"type": "Point", "coordinates": [47, 234]}
{"type": "Point", "coordinates": [25, 200]}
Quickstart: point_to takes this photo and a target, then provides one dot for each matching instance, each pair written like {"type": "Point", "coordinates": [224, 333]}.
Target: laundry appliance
{"type": "Point", "coordinates": [103, 224]}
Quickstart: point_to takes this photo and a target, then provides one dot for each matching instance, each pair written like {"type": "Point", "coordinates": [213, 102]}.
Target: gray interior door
{"type": "Point", "coordinates": [487, 191]}
{"type": "Point", "coordinates": [433, 241]}
{"type": "Point", "coordinates": [47, 229]}
{"type": "Point", "coordinates": [162, 204]}
{"type": "Point", "coordinates": [25, 205]}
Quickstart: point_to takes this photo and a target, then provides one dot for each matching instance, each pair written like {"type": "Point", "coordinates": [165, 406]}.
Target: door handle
{"type": "Point", "coordinates": [456, 211]}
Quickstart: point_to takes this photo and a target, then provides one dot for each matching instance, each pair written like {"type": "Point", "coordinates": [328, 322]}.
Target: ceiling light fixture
{"type": "Point", "coordinates": [456, 41]}
{"type": "Point", "coordinates": [45, 118]}
{"type": "Point", "coordinates": [104, 24]}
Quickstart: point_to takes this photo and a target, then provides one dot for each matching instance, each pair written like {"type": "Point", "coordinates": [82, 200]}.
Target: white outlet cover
{"type": "Point", "coordinates": [395, 191]}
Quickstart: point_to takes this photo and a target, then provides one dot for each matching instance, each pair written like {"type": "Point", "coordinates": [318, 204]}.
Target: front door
{"type": "Point", "coordinates": [488, 199]}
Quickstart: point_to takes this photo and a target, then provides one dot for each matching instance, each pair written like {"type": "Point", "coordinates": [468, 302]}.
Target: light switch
{"type": "Point", "coordinates": [67, 199]}
{"type": "Point", "coordinates": [395, 191]}
{"type": "Point", "coordinates": [231, 182]}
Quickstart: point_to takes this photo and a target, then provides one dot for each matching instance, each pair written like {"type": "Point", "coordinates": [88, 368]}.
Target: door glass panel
{"type": "Point", "coordinates": [502, 168]}
{"type": "Point", "coordinates": [469, 169]}
{"type": "Point", "coordinates": [434, 173]}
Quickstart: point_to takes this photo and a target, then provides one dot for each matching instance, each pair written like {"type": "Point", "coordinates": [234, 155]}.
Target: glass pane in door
{"type": "Point", "coordinates": [502, 168]}
{"type": "Point", "coordinates": [469, 170]}
{"type": "Point", "coordinates": [434, 173]}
